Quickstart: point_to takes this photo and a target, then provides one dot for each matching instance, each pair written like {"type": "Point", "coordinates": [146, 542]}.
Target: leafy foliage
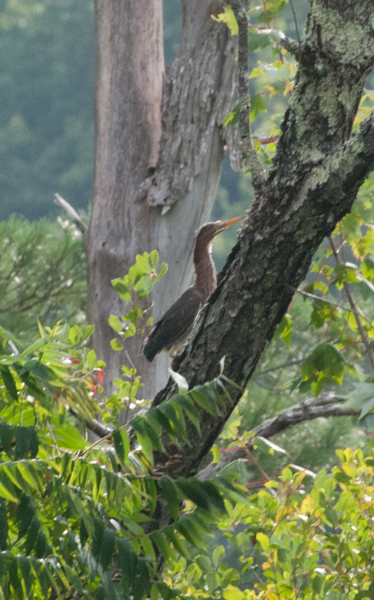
{"type": "Point", "coordinates": [83, 516]}
{"type": "Point", "coordinates": [294, 540]}
{"type": "Point", "coordinates": [42, 275]}
{"type": "Point", "coordinates": [74, 513]}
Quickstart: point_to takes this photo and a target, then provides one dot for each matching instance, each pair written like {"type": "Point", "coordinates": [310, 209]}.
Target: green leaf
{"type": "Point", "coordinates": [107, 547]}
{"type": "Point", "coordinates": [115, 323]}
{"type": "Point", "coordinates": [6, 436]}
{"type": "Point", "coordinates": [228, 17]}
{"type": "Point", "coordinates": [171, 411]}
{"type": "Point", "coordinates": [25, 567]}
{"type": "Point", "coordinates": [130, 330]}
{"type": "Point", "coordinates": [177, 543]}
{"type": "Point", "coordinates": [362, 397]}
{"type": "Point", "coordinates": [162, 271]}
{"type": "Point", "coordinates": [67, 436]}
{"type": "Point", "coordinates": [325, 362]}
{"type": "Point", "coordinates": [123, 289]}
{"type": "Point", "coordinates": [32, 535]}
{"type": "Point", "coordinates": [153, 431]}
{"type": "Point", "coordinates": [367, 408]}
{"type": "Point", "coordinates": [284, 330]}
{"type": "Point", "coordinates": [143, 438]}
{"type": "Point", "coordinates": [116, 345]}
{"type": "Point", "coordinates": [7, 489]}
{"type": "Point", "coordinates": [257, 105]}
{"type": "Point", "coordinates": [214, 495]}
{"type": "Point", "coordinates": [273, 8]}
{"type": "Point", "coordinates": [193, 490]}
{"type": "Point", "coordinates": [25, 514]}
{"type": "Point", "coordinates": [110, 587]}
{"type": "Point", "coordinates": [143, 264]}
{"type": "Point", "coordinates": [121, 444]}
{"type": "Point", "coordinates": [190, 410]}
{"type": "Point", "coordinates": [75, 334]}
{"type": "Point", "coordinates": [91, 359]}
{"type": "Point", "coordinates": [153, 259]}
{"type": "Point", "coordinates": [31, 349]}
{"type": "Point", "coordinates": [331, 516]}
{"type": "Point", "coordinates": [97, 537]}
{"type": "Point", "coordinates": [258, 39]}
{"type": "Point", "coordinates": [128, 563]}
{"type": "Point", "coordinates": [40, 544]}
{"type": "Point", "coordinates": [218, 554]}
{"type": "Point", "coordinates": [9, 383]}
{"type": "Point", "coordinates": [170, 494]}
{"type": "Point", "coordinates": [23, 436]}
{"type": "Point", "coordinates": [162, 544]}
{"type": "Point", "coordinates": [233, 117]}
{"type": "Point", "coordinates": [204, 563]}
{"type": "Point", "coordinates": [164, 590]}
{"type": "Point", "coordinates": [83, 533]}
{"type": "Point", "coordinates": [3, 526]}
{"type": "Point", "coordinates": [142, 580]}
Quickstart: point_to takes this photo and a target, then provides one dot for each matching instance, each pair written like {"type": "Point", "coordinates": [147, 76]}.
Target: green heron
{"type": "Point", "coordinates": [172, 330]}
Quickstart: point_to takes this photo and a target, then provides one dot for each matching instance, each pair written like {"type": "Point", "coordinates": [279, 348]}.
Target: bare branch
{"type": "Point", "coordinates": [250, 158]}
{"type": "Point", "coordinates": [327, 404]}
{"type": "Point", "coordinates": [93, 425]}
{"type": "Point", "coordinates": [71, 212]}
{"type": "Point", "coordinates": [282, 366]}
{"type": "Point", "coordinates": [290, 45]}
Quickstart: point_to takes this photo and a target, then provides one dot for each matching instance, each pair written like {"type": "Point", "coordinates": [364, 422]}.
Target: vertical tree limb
{"type": "Point", "coordinates": [158, 156]}
{"type": "Point", "coordinates": [249, 157]}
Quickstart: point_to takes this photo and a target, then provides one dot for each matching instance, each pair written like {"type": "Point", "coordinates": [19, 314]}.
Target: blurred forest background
{"type": "Point", "coordinates": [46, 85]}
{"type": "Point", "coordinates": [46, 146]}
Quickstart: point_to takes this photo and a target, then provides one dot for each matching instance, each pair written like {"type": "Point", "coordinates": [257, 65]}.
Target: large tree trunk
{"type": "Point", "coordinates": [158, 158]}
{"type": "Point", "coordinates": [319, 167]}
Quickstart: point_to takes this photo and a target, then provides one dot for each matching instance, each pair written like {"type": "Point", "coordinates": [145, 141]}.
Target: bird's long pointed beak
{"type": "Point", "coordinates": [232, 221]}
{"type": "Point", "coordinates": [226, 224]}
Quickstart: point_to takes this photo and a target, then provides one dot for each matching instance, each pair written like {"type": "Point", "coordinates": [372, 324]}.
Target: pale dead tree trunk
{"type": "Point", "coordinates": [159, 151]}
{"type": "Point", "coordinates": [318, 169]}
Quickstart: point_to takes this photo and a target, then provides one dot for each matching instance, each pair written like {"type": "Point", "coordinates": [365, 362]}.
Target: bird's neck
{"type": "Point", "coordinates": [205, 272]}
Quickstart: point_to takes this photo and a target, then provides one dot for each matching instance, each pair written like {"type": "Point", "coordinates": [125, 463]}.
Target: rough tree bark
{"type": "Point", "coordinates": [158, 157]}
{"type": "Point", "coordinates": [318, 169]}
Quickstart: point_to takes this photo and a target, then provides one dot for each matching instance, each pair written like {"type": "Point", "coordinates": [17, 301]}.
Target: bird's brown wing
{"type": "Point", "coordinates": [174, 324]}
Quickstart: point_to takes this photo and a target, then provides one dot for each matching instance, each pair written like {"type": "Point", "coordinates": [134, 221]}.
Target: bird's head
{"type": "Point", "coordinates": [207, 232]}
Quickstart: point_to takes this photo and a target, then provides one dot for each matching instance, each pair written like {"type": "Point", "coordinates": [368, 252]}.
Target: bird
{"type": "Point", "coordinates": [172, 330]}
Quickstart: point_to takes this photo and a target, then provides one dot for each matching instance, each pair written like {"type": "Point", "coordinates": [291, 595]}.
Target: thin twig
{"type": "Point", "coordinates": [249, 156]}
{"type": "Point", "coordinates": [266, 13]}
{"type": "Point", "coordinates": [354, 308]}
{"type": "Point", "coordinates": [288, 364]}
{"type": "Point", "coordinates": [71, 212]}
{"type": "Point", "coordinates": [314, 297]}
{"type": "Point", "coordinates": [296, 27]}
